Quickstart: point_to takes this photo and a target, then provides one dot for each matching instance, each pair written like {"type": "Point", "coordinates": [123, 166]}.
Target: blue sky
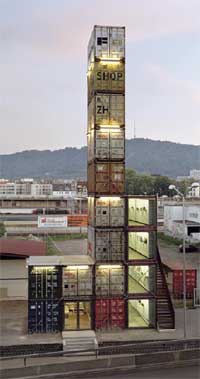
{"type": "Point", "coordinates": [43, 63]}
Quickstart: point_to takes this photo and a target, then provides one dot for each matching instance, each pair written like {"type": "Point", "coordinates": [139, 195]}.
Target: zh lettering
{"type": "Point", "coordinates": [105, 75]}
{"type": "Point", "coordinates": [101, 109]}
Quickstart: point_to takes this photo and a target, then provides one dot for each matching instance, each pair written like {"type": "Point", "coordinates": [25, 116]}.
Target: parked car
{"type": "Point", "coordinates": [188, 248]}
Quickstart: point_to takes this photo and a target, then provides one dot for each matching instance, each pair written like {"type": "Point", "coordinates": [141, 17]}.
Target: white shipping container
{"type": "Point", "coordinates": [106, 42]}
{"type": "Point", "coordinates": [106, 245]}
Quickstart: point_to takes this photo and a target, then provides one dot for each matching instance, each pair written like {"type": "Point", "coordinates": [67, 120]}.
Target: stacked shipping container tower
{"type": "Point", "coordinates": [120, 284]}
{"type": "Point", "coordinates": [122, 236]}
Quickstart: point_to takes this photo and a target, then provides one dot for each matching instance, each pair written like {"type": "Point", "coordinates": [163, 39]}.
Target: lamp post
{"type": "Point", "coordinates": [173, 187]}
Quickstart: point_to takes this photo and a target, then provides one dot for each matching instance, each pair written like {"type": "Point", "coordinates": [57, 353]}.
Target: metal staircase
{"type": "Point", "coordinates": [165, 309]}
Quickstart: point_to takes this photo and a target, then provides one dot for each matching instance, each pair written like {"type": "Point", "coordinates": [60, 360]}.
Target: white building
{"type": "Point", "coordinates": [39, 189]}
{"type": "Point", "coordinates": [173, 221]}
{"type": "Point", "coordinates": [7, 189]}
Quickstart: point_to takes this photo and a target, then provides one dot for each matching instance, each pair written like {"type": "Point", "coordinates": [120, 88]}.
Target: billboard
{"type": "Point", "coordinates": [52, 221]}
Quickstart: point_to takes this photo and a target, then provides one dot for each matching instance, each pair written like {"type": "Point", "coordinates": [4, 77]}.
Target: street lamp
{"type": "Point", "coordinates": [173, 187]}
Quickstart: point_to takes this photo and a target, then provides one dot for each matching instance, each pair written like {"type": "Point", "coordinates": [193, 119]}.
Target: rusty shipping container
{"type": "Point", "coordinates": [106, 245]}
{"type": "Point", "coordinates": [109, 313]}
{"type": "Point", "coordinates": [106, 144]}
{"type": "Point", "coordinates": [106, 178]}
{"type": "Point", "coordinates": [106, 110]}
{"type": "Point", "coordinates": [106, 211]}
{"type": "Point", "coordinates": [191, 283]}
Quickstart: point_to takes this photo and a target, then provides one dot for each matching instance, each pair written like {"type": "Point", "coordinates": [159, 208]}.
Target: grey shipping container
{"type": "Point", "coordinates": [106, 211]}
{"type": "Point", "coordinates": [106, 42]}
{"type": "Point", "coordinates": [106, 110]}
{"type": "Point", "coordinates": [109, 281]}
{"type": "Point", "coordinates": [106, 144]}
{"type": "Point", "coordinates": [106, 77]}
{"type": "Point", "coordinates": [77, 281]}
{"type": "Point", "coordinates": [106, 245]}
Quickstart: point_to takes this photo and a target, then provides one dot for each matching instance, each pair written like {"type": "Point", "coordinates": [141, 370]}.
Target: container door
{"type": "Point", "coordinates": [117, 313]}
{"type": "Point", "coordinates": [102, 314]}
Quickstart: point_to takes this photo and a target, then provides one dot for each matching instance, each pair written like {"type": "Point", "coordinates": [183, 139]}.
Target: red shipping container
{"type": "Point", "coordinates": [191, 279]}
{"type": "Point", "coordinates": [109, 314]}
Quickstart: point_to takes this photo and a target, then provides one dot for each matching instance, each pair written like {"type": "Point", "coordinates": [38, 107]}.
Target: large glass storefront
{"type": "Point", "coordinates": [141, 313]}
{"type": "Point", "coordinates": [141, 279]}
{"type": "Point", "coordinates": [77, 315]}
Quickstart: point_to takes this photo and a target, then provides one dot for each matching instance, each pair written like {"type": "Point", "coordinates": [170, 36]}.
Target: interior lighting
{"type": "Point", "coordinates": [110, 198]}
{"type": "Point", "coordinates": [110, 266]}
{"type": "Point", "coordinates": [44, 268]}
{"type": "Point", "coordinates": [83, 267]}
{"type": "Point", "coordinates": [110, 126]}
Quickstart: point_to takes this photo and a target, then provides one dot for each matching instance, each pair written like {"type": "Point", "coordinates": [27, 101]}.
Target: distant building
{"type": "Point", "coordinates": [7, 189]}
{"type": "Point", "coordinates": [195, 174]}
{"type": "Point", "coordinates": [39, 189]}
{"type": "Point", "coordinates": [173, 221]}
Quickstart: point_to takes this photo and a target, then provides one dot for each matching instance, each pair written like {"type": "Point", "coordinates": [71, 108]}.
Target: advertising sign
{"type": "Point", "coordinates": [52, 221]}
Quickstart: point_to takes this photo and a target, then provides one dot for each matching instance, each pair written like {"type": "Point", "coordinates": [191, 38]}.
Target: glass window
{"type": "Point", "coordinates": [141, 245]}
{"type": "Point", "coordinates": [141, 313]}
{"type": "Point", "coordinates": [141, 279]}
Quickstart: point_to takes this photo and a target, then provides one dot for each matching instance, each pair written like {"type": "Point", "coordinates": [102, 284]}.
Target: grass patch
{"type": "Point", "coordinates": [168, 240]}
{"type": "Point", "coordinates": [69, 236]}
{"type": "Point", "coordinates": [51, 248]}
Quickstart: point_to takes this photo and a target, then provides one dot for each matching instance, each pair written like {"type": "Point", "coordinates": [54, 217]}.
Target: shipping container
{"type": "Point", "coordinates": [142, 211]}
{"type": "Point", "coordinates": [77, 281]}
{"type": "Point", "coordinates": [106, 76]}
{"type": "Point", "coordinates": [44, 316]}
{"type": "Point", "coordinates": [106, 211]}
{"type": "Point", "coordinates": [109, 313]}
{"type": "Point", "coordinates": [106, 178]}
{"type": "Point", "coordinates": [191, 283]}
{"type": "Point", "coordinates": [106, 43]}
{"type": "Point", "coordinates": [106, 245]}
{"type": "Point", "coordinates": [106, 110]}
{"type": "Point", "coordinates": [142, 245]}
{"type": "Point", "coordinates": [44, 282]}
{"type": "Point", "coordinates": [141, 279]}
{"type": "Point", "coordinates": [106, 144]}
{"type": "Point", "coordinates": [109, 280]}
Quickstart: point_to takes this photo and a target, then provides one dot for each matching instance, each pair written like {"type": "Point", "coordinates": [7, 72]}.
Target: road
{"type": "Point", "coordinates": [191, 372]}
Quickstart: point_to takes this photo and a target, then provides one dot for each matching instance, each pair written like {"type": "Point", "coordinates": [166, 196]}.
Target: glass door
{"type": "Point", "coordinates": [70, 316]}
{"type": "Point", "coordinates": [77, 315]}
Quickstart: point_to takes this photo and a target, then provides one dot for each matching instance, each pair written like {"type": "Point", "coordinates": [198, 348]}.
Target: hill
{"type": "Point", "coordinates": [143, 155]}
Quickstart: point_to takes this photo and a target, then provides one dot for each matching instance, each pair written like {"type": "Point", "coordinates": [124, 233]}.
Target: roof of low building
{"type": "Point", "coordinates": [173, 259]}
{"type": "Point", "coordinates": [60, 260]}
{"type": "Point", "coordinates": [18, 248]}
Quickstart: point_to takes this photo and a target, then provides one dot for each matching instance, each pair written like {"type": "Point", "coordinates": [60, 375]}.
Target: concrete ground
{"type": "Point", "coordinates": [14, 328]}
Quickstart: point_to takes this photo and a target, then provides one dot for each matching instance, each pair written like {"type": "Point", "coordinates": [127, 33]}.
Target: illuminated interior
{"type": "Point", "coordinates": [141, 245]}
{"type": "Point", "coordinates": [77, 315]}
{"type": "Point", "coordinates": [109, 280]}
{"type": "Point", "coordinates": [141, 279]}
{"type": "Point", "coordinates": [138, 211]}
{"type": "Point", "coordinates": [77, 281]}
{"type": "Point", "coordinates": [141, 313]}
